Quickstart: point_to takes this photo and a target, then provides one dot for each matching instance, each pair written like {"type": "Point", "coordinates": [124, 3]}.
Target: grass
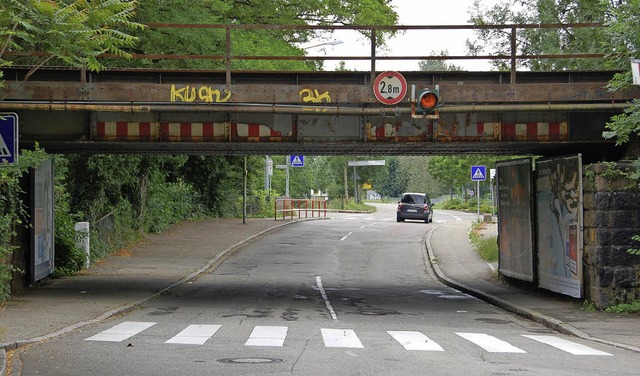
{"type": "Point", "coordinates": [486, 246]}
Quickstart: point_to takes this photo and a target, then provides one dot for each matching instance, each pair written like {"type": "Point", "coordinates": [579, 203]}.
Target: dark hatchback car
{"type": "Point", "coordinates": [415, 206]}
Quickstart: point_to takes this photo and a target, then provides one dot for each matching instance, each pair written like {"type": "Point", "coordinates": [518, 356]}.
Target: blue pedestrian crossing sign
{"type": "Point", "coordinates": [297, 161]}
{"type": "Point", "coordinates": [8, 138]}
{"type": "Point", "coordinates": [478, 173]}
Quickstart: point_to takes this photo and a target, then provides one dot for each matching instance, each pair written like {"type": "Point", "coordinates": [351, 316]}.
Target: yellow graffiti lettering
{"type": "Point", "coordinates": [200, 94]}
{"type": "Point", "coordinates": [313, 96]}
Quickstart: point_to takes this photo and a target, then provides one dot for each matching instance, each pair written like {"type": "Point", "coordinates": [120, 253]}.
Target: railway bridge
{"type": "Point", "coordinates": [211, 112]}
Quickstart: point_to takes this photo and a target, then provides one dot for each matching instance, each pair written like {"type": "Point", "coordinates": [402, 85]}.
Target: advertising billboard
{"type": "Point", "coordinates": [515, 219]}
{"type": "Point", "coordinates": [43, 221]}
{"type": "Point", "coordinates": [560, 222]}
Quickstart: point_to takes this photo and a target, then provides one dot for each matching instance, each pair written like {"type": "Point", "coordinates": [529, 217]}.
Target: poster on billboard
{"type": "Point", "coordinates": [515, 219]}
{"type": "Point", "coordinates": [43, 221]}
{"type": "Point", "coordinates": [559, 223]}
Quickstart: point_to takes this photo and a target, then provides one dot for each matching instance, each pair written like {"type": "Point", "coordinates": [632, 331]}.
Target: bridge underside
{"type": "Point", "coordinates": [313, 113]}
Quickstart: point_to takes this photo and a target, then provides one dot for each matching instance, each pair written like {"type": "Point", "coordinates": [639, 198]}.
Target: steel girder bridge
{"type": "Point", "coordinates": [245, 112]}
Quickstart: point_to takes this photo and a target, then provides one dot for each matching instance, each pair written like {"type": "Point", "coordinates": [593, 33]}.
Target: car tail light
{"type": "Point", "coordinates": [426, 207]}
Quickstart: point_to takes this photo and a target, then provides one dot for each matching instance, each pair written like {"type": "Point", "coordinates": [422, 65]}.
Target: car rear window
{"type": "Point", "coordinates": [413, 199]}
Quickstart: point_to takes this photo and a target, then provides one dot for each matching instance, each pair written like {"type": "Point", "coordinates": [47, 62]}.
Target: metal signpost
{"type": "Point", "coordinates": [478, 174]}
{"type": "Point", "coordinates": [8, 138]}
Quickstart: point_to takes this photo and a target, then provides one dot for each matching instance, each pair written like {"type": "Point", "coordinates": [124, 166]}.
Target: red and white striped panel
{"type": "Point", "coordinates": [384, 131]}
{"type": "Point", "coordinates": [123, 131]}
{"type": "Point", "coordinates": [534, 131]}
{"type": "Point", "coordinates": [255, 132]}
{"type": "Point", "coordinates": [486, 129]}
{"type": "Point", "coordinates": [193, 131]}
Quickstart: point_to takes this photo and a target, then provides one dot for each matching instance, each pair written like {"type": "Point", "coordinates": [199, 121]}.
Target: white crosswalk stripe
{"type": "Point", "coordinates": [568, 346]}
{"type": "Point", "coordinates": [275, 336]}
{"type": "Point", "coordinates": [195, 334]}
{"type": "Point", "coordinates": [415, 341]}
{"type": "Point", "coordinates": [490, 343]}
{"type": "Point", "coordinates": [267, 336]}
{"type": "Point", "coordinates": [341, 338]}
{"type": "Point", "coordinates": [121, 331]}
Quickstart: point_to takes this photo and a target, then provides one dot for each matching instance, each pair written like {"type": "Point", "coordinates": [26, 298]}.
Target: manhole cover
{"type": "Point", "coordinates": [249, 360]}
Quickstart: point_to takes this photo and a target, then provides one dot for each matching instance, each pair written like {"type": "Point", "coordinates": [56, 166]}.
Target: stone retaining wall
{"type": "Point", "coordinates": [611, 218]}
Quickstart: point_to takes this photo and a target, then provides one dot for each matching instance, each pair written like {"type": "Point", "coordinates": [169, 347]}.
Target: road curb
{"type": "Point", "coordinates": [519, 310]}
{"type": "Point", "coordinates": [219, 257]}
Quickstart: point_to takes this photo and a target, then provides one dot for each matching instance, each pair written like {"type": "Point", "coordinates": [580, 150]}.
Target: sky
{"type": "Point", "coordinates": [448, 12]}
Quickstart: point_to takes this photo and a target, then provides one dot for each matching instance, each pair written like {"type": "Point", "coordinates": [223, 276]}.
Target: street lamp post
{"type": "Point", "coordinates": [330, 43]}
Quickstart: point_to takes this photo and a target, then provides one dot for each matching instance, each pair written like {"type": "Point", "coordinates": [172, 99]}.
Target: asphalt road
{"type": "Point", "coordinates": [346, 296]}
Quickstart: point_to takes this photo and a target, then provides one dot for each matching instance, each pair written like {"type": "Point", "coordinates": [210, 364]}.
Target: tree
{"type": "Point", "coordinates": [537, 41]}
{"type": "Point", "coordinates": [254, 42]}
{"type": "Point", "coordinates": [438, 65]}
{"type": "Point", "coordinates": [71, 33]}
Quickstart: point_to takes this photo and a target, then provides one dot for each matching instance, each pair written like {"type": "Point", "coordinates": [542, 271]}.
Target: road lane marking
{"type": "Point", "coordinates": [346, 236]}
{"type": "Point", "coordinates": [267, 336]}
{"type": "Point", "coordinates": [326, 299]}
{"type": "Point", "coordinates": [341, 338]}
{"type": "Point", "coordinates": [415, 341]}
{"type": "Point", "coordinates": [568, 346]}
{"type": "Point", "coordinates": [195, 334]}
{"type": "Point", "coordinates": [490, 343]}
{"type": "Point", "coordinates": [121, 331]}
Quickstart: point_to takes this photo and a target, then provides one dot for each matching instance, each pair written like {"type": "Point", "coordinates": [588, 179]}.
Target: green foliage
{"type": "Point", "coordinates": [487, 247]}
{"type": "Point", "coordinates": [13, 210]}
{"type": "Point", "coordinates": [339, 204]}
{"type": "Point", "coordinates": [634, 251]}
{"type": "Point", "coordinates": [537, 41]}
{"type": "Point", "coordinates": [247, 42]}
{"type": "Point", "coordinates": [69, 32]}
{"type": "Point", "coordinates": [168, 203]}
{"type": "Point", "coordinates": [471, 206]}
{"type": "Point", "coordinates": [625, 308]}
{"type": "Point", "coordinates": [589, 306]}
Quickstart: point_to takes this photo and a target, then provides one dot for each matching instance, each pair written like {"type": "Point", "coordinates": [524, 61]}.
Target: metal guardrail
{"type": "Point", "coordinates": [289, 207]}
{"type": "Point", "coordinates": [371, 30]}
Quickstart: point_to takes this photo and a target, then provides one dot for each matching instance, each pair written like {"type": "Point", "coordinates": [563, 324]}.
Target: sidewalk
{"type": "Point", "coordinates": [456, 264]}
{"type": "Point", "coordinates": [163, 261]}
{"type": "Point", "coordinates": [124, 280]}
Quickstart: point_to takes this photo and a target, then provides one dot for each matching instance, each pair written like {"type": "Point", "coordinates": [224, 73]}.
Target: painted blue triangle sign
{"type": "Point", "coordinates": [478, 173]}
{"type": "Point", "coordinates": [8, 139]}
{"type": "Point", "coordinates": [297, 161]}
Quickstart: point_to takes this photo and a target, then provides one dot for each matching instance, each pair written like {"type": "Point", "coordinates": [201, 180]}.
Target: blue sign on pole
{"type": "Point", "coordinates": [297, 161]}
{"type": "Point", "coordinates": [8, 138]}
{"type": "Point", "coordinates": [478, 173]}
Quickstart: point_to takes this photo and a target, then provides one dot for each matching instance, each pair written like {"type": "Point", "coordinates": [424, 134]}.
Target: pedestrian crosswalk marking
{"type": "Point", "coordinates": [568, 346]}
{"type": "Point", "coordinates": [121, 331]}
{"type": "Point", "coordinates": [341, 338]}
{"type": "Point", "coordinates": [275, 336]}
{"type": "Point", "coordinates": [195, 334]}
{"type": "Point", "coordinates": [415, 341]}
{"type": "Point", "coordinates": [490, 343]}
{"type": "Point", "coordinates": [267, 336]}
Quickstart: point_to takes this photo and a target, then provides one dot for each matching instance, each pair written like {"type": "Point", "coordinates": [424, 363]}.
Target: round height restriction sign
{"type": "Point", "coordinates": [390, 87]}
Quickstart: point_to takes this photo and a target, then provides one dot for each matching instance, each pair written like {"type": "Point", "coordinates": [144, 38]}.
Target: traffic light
{"type": "Point", "coordinates": [426, 103]}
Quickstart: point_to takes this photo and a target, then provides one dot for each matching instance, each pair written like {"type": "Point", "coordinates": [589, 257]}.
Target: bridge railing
{"type": "Point", "coordinates": [372, 31]}
{"type": "Point", "coordinates": [233, 34]}
{"type": "Point", "coordinates": [302, 208]}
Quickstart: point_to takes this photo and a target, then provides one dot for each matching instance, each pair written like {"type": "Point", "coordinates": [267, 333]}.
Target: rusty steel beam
{"type": "Point", "coordinates": [312, 93]}
{"type": "Point", "coordinates": [301, 110]}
